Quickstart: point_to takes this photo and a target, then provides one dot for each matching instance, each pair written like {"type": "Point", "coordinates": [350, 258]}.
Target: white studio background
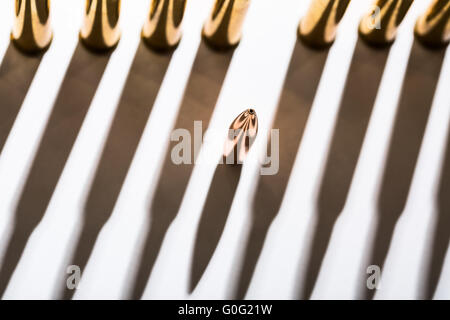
{"type": "Point", "coordinates": [254, 79]}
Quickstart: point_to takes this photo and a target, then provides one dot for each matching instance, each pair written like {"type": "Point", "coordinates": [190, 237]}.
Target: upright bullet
{"type": "Point", "coordinates": [221, 193]}
{"type": "Point", "coordinates": [433, 28]}
{"type": "Point", "coordinates": [162, 29]}
{"type": "Point", "coordinates": [242, 133]}
{"type": "Point", "coordinates": [223, 28]}
{"type": "Point", "coordinates": [318, 28]}
{"type": "Point", "coordinates": [379, 26]}
{"type": "Point", "coordinates": [100, 30]}
{"type": "Point", "coordinates": [31, 30]}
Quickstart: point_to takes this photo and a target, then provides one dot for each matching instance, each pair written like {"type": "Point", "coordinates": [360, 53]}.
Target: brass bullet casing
{"type": "Point", "coordinates": [318, 28]}
{"type": "Point", "coordinates": [379, 26]}
{"type": "Point", "coordinates": [242, 133]}
{"type": "Point", "coordinates": [31, 30]}
{"type": "Point", "coordinates": [100, 30]}
{"type": "Point", "coordinates": [433, 28]}
{"type": "Point", "coordinates": [223, 29]}
{"type": "Point", "coordinates": [162, 29]}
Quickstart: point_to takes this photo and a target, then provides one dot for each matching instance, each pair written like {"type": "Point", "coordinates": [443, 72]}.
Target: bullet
{"type": "Point", "coordinates": [31, 29]}
{"type": "Point", "coordinates": [100, 30]}
{"type": "Point", "coordinates": [241, 135]}
{"type": "Point", "coordinates": [223, 29]}
{"type": "Point", "coordinates": [162, 29]}
{"type": "Point", "coordinates": [318, 28]}
{"type": "Point", "coordinates": [379, 26]}
{"type": "Point", "coordinates": [221, 193]}
{"type": "Point", "coordinates": [433, 28]}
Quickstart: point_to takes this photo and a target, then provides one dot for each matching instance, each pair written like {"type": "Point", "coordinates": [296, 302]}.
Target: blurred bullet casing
{"type": "Point", "coordinates": [31, 29]}
{"type": "Point", "coordinates": [223, 29]}
{"type": "Point", "coordinates": [162, 28]}
{"type": "Point", "coordinates": [242, 133]}
{"type": "Point", "coordinates": [100, 30]}
{"type": "Point", "coordinates": [319, 26]}
{"type": "Point", "coordinates": [379, 26]}
{"type": "Point", "coordinates": [433, 28]}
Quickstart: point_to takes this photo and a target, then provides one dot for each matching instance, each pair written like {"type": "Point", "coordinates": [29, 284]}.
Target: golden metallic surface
{"type": "Point", "coordinates": [162, 29]}
{"type": "Point", "coordinates": [379, 26]}
{"type": "Point", "coordinates": [318, 28]}
{"type": "Point", "coordinates": [31, 30]}
{"type": "Point", "coordinates": [223, 29]}
{"type": "Point", "coordinates": [433, 28]}
{"type": "Point", "coordinates": [100, 30]}
{"type": "Point", "coordinates": [242, 133]}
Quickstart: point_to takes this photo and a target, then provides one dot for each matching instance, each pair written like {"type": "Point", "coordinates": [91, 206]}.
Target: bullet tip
{"type": "Point", "coordinates": [241, 134]}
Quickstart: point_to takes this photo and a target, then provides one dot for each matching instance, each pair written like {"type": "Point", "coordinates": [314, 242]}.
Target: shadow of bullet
{"type": "Point", "coordinates": [134, 108]}
{"type": "Point", "coordinates": [202, 91]}
{"type": "Point", "coordinates": [414, 107]}
{"type": "Point", "coordinates": [297, 96]}
{"type": "Point", "coordinates": [16, 74]}
{"type": "Point", "coordinates": [361, 88]}
{"type": "Point", "coordinates": [72, 103]}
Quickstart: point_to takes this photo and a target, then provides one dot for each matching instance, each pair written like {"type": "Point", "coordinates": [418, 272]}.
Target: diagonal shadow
{"type": "Point", "coordinates": [297, 96]}
{"type": "Point", "coordinates": [354, 113]}
{"type": "Point", "coordinates": [16, 74]}
{"type": "Point", "coordinates": [139, 94]}
{"type": "Point", "coordinates": [213, 218]}
{"type": "Point", "coordinates": [413, 110]}
{"type": "Point", "coordinates": [202, 91]}
{"type": "Point", "coordinates": [75, 95]}
{"type": "Point", "coordinates": [441, 237]}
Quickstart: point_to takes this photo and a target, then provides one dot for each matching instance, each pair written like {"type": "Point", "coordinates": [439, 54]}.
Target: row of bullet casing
{"type": "Point", "coordinates": [100, 29]}
{"type": "Point", "coordinates": [379, 26]}
{"type": "Point", "coordinates": [162, 30]}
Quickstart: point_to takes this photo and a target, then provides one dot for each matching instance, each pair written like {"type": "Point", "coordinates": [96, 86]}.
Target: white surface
{"type": "Point", "coordinates": [254, 79]}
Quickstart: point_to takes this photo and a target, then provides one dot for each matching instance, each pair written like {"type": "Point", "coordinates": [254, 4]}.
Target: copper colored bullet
{"type": "Point", "coordinates": [318, 28]}
{"type": "Point", "coordinates": [31, 30]}
{"type": "Point", "coordinates": [100, 30]}
{"type": "Point", "coordinates": [241, 135]}
{"type": "Point", "coordinates": [433, 28]}
{"type": "Point", "coordinates": [222, 191]}
{"type": "Point", "coordinates": [162, 29]}
{"type": "Point", "coordinates": [223, 28]}
{"type": "Point", "coordinates": [379, 26]}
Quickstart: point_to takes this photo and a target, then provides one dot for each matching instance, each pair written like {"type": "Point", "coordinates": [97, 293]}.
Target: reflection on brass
{"type": "Point", "coordinates": [224, 26]}
{"type": "Point", "coordinates": [379, 26]}
{"type": "Point", "coordinates": [241, 135]}
{"type": "Point", "coordinates": [162, 29]}
{"type": "Point", "coordinates": [100, 30]}
{"type": "Point", "coordinates": [318, 28]}
{"type": "Point", "coordinates": [433, 28]}
{"type": "Point", "coordinates": [31, 30]}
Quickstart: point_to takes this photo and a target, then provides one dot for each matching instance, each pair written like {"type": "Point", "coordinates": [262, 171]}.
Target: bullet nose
{"type": "Point", "coordinates": [433, 28]}
{"type": "Point", "coordinates": [100, 30]}
{"type": "Point", "coordinates": [242, 133]}
{"type": "Point", "coordinates": [162, 29]}
{"type": "Point", "coordinates": [319, 26]}
{"type": "Point", "coordinates": [31, 30]}
{"type": "Point", "coordinates": [223, 29]}
{"type": "Point", "coordinates": [379, 26]}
